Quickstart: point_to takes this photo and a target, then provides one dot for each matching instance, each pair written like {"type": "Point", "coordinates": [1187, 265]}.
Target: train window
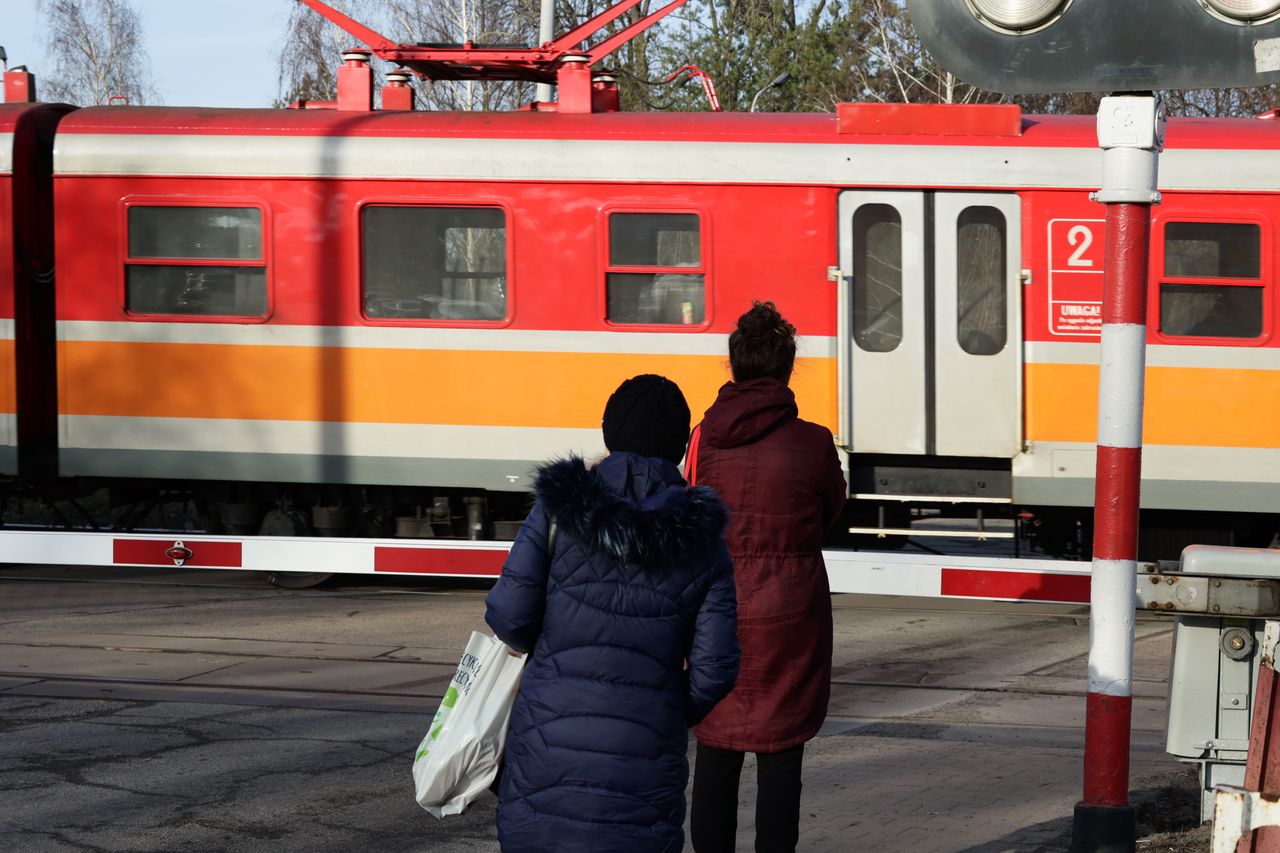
{"type": "Point", "coordinates": [435, 263]}
{"type": "Point", "coordinates": [228, 278]}
{"type": "Point", "coordinates": [195, 232]}
{"type": "Point", "coordinates": [877, 278]}
{"type": "Point", "coordinates": [1212, 250]}
{"type": "Point", "coordinates": [1227, 301]}
{"type": "Point", "coordinates": [981, 290]}
{"type": "Point", "coordinates": [655, 272]}
{"type": "Point", "coordinates": [1206, 310]}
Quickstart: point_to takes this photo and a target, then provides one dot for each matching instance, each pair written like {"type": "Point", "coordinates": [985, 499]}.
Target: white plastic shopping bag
{"type": "Point", "coordinates": [458, 759]}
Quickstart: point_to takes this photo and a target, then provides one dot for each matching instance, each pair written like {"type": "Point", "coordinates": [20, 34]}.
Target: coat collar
{"type": "Point", "coordinates": [634, 508]}
{"type": "Point", "coordinates": [745, 412]}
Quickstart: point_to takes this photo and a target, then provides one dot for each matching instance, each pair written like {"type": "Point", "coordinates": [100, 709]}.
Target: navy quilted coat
{"type": "Point", "coordinates": [639, 583]}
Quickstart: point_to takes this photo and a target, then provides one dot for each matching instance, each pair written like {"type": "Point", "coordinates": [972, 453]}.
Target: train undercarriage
{"type": "Point", "coordinates": [893, 508]}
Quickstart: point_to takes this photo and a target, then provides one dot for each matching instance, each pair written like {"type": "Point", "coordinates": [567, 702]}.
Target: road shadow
{"type": "Point", "coordinates": [1168, 819]}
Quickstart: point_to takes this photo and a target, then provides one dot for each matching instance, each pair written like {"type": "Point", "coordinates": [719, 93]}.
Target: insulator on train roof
{"type": "Point", "coordinates": [398, 94]}
{"type": "Point", "coordinates": [604, 93]}
{"type": "Point", "coordinates": [355, 81]}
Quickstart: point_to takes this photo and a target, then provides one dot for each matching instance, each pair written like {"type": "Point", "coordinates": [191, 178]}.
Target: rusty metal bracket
{"type": "Point", "coordinates": [1213, 596]}
{"type": "Point", "coordinates": [1237, 812]}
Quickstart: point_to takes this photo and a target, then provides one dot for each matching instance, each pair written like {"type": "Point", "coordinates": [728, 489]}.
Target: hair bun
{"type": "Point", "coordinates": [763, 322]}
{"type": "Point", "coordinates": [763, 344]}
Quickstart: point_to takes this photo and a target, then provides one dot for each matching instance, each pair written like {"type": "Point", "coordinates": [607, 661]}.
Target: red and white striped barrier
{"type": "Point", "coordinates": [979, 578]}
{"type": "Point", "coordinates": [445, 558]}
{"type": "Point", "coordinates": [865, 572]}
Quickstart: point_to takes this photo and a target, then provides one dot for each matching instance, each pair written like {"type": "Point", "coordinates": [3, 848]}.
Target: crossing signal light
{"type": "Point", "coordinates": [1023, 47]}
{"type": "Point", "coordinates": [1017, 15]}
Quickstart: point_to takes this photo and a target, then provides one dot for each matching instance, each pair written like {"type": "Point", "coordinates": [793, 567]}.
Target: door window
{"type": "Point", "coordinates": [981, 290]}
{"type": "Point", "coordinates": [877, 278]}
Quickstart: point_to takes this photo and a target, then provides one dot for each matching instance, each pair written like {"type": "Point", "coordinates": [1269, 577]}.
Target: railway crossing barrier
{"type": "Point", "coordinates": [1219, 678]}
{"type": "Point", "coordinates": [1246, 819]}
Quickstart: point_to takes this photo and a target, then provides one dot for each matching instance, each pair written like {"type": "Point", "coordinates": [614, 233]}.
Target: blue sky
{"type": "Point", "coordinates": [215, 53]}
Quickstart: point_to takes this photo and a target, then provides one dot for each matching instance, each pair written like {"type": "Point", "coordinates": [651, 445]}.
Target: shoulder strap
{"type": "Point", "coordinates": [691, 456]}
{"type": "Point", "coordinates": [551, 538]}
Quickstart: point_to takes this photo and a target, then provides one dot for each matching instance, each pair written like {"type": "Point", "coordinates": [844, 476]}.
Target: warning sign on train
{"type": "Point", "coordinates": [1075, 276]}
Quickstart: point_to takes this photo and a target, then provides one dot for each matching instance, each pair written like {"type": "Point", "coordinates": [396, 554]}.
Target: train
{"type": "Point", "coordinates": [377, 322]}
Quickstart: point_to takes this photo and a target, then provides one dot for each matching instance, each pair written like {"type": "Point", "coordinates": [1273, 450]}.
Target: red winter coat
{"type": "Point", "coordinates": [781, 479]}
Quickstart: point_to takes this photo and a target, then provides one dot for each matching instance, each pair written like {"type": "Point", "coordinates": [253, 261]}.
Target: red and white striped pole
{"type": "Point", "coordinates": [1131, 135]}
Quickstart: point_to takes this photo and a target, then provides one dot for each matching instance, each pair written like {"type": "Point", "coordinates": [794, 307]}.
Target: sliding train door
{"type": "Point", "coordinates": [930, 338]}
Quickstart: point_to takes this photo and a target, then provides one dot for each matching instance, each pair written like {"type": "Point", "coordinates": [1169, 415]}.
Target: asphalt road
{"type": "Point", "coordinates": [168, 709]}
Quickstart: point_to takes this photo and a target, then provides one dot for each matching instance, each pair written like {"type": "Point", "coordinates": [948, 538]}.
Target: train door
{"type": "Point", "coordinates": [930, 338]}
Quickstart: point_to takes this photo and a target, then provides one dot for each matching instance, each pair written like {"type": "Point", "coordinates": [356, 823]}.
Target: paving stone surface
{"type": "Point", "coordinates": [955, 728]}
{"type": "Point", "coordinates": [85, 774]}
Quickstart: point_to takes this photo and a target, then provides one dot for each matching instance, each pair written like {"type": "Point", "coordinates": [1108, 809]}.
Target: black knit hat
{"type": "Point", "coordinates": [647, 415]}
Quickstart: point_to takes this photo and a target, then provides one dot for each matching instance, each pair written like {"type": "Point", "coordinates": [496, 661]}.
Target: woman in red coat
{"type": "Point", "coordinates": [781, 480]}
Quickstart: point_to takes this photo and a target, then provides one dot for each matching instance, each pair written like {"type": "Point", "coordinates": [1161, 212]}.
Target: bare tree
{"type": "Point", "coordinates": [97, 53]}
{"type": "Point", "coordinates": [312, 50]}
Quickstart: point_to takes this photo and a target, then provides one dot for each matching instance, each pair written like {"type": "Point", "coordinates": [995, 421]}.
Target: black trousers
{"type": "Point", "coordinates": [713, 816]}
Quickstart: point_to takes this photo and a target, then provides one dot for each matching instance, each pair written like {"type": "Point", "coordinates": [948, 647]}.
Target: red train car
{"type": "Point", "coordinates": [388, 318]}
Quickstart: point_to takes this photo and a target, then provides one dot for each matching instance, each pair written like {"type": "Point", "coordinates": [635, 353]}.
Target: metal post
{"type": "Point", "coordinates": [1131, 135]}
{"type": "Point", "coordinates": [546, 32]}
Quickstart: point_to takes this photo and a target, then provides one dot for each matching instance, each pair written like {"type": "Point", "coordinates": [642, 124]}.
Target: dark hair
{"type": "Point", "coordinates": [764, 344]}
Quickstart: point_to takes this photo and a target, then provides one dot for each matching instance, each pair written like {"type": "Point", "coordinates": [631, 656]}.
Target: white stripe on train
{"type": "Point", "coordinates": [407, 441]}
{"type": "Point", "coordinates": [1059, 460]}
{"type": "Point", "coordinates": [555, 340]}
{"type": "Point", "coordinates": [838, 164]}
{"type": "Point", "coordinates": [1159, 355]}
{"type": "Point", "coordinates": [411, 337]}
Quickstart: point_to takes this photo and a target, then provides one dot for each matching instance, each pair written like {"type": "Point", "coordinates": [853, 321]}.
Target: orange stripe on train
{"type": "Point", "coordinates": [1190, 406]}
{"type": "Point", "coordinates": [8, 378]}
{"type": "Point", "coordinates": [535, 389]}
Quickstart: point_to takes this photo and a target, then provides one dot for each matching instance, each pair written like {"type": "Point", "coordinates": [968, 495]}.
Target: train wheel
{"type": "Point", "coordinates": [296, 580]}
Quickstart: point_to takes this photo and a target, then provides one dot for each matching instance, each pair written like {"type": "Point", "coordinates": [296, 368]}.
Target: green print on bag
{"type": "Point", "coordinates": [450, 699]}
{"type": "Point", "coordinates": [469, 669]}
{"type": "Point", "coordinates": [446, 704]}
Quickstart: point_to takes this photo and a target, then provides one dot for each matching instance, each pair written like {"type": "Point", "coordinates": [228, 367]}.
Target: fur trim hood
{"type": "Point", "coordinates": [631, 507]}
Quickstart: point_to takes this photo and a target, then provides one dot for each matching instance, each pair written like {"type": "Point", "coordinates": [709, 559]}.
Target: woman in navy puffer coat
{"type": "Point", "coordinates": [638, 582]}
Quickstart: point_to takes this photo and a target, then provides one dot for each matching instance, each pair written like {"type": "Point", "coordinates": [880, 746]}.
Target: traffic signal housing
{"type": "Point", "coordinates": [1043, 46]}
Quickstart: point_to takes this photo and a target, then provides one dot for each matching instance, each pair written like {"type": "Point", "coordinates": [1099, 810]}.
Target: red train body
{"type": "Point", "coordinates": [364, 311]}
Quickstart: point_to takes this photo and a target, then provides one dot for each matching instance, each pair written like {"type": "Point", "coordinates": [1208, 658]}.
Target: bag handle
{"type": "Point", "coordinates": [691, 457]}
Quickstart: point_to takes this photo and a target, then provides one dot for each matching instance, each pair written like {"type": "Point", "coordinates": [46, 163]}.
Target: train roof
{"type": "Point", "coordinates": [11, 114]}
{"type": "Point", "coordinates": [1036, 130]}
